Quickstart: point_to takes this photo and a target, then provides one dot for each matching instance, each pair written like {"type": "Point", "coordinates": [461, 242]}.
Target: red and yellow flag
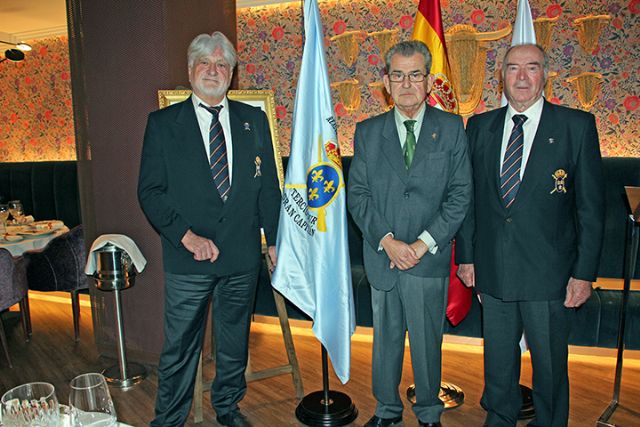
{"type": "Point", "coordinates": [428, 29]}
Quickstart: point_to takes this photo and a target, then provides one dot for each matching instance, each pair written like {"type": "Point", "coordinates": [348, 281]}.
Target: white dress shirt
{"type": "Point", "coordinates": [204, 121]}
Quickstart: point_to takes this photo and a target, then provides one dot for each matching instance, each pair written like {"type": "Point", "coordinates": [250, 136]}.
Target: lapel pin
{"type": "Point", "coordinates": [434, 136]}
{"type": "Point", "coordinates": [551, 140]}
{"type": "Point", "coordinates": [247, 127]}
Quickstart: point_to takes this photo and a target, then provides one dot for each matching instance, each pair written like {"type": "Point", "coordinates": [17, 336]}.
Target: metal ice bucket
{"type": "Point", "coordinates": [114, 270]}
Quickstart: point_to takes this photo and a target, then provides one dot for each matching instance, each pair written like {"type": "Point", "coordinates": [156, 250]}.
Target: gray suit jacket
{"type": "Point", "coordinates": [433, 195]}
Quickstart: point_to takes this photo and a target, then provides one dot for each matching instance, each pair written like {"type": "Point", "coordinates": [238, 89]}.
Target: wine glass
{"type": "Point", "coordinates": [16, 209]}
{"type": "Point", "coordinates": [30, 405]}
{"type": "Point", "coordinates": [90, 402]}
{"type": "Point", "coordinates": [4, 213]}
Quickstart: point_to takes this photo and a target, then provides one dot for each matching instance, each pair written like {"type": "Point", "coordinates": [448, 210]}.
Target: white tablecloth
{"type": "Point", "coordinates": [30, 243]}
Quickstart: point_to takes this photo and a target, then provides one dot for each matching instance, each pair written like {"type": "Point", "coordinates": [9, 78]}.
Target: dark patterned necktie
{"type": "Point", "coordinates": [218, 153]}
{"type": "Point", "coordinates": [512, 163]}
{"type": "Point", "coordinates": [409, 144]}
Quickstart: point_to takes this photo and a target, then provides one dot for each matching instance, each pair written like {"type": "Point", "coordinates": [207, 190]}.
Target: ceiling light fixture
{"type": "Point", "coordinates": [16, 54]}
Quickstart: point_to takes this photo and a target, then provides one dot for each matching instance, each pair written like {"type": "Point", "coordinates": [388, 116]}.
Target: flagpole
{"type": "Point", "coordinates": [326, 408]}
{"type": "Point", "coordinates": [313, 255]}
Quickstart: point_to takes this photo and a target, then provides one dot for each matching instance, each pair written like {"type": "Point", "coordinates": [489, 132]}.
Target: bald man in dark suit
{"type": "Point", "coordinates": [531, 242]}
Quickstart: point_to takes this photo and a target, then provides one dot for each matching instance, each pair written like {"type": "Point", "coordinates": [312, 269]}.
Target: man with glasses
{"type": "Point", "coordinates": [409, 190]}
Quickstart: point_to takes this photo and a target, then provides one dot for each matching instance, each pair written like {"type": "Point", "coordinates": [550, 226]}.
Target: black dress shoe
{"type": "Point", "coordinates": [233, 419]}
{"type": "Point", "coordinates": [430, 424]}
{"type": "Point", "coordinates": [382, 422]}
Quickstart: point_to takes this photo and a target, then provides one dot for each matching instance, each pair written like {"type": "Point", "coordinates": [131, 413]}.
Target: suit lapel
{"type": "Point", "coordinates": [391, 146]}
{"type": "Point", "coordinates": [428, 140]}
{"type": "Point", "coordinates": [239, 150]}
{"type": "Point", "coordinates": [492, 164]}
{"type": "Point", "coordinates": [187, 132]}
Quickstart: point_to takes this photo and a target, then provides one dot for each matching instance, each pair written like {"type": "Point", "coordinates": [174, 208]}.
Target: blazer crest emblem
{"type": "Point", "coordinates": [559, 177]}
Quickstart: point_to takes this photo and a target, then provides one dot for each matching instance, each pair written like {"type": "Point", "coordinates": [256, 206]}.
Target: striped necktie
{"type": "Point", "coordinates": [512, 163]}
{"type": "Point", "coordinates": [218, 153]}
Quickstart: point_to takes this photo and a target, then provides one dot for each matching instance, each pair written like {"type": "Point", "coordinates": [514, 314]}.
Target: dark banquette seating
{"type": "Point", "coordinates": [49, 190]}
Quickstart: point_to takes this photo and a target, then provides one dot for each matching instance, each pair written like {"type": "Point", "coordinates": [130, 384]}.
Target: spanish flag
{"type": "Point", "coordinates": [428, 29]}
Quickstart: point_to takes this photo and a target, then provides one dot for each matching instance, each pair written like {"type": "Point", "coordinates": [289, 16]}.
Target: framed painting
{"type": "Point", "coordinates": [264, 99]}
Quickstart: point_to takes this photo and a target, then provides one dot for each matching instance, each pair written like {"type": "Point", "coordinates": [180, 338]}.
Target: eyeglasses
{"type": "Point", "coordinates": [414, 77]}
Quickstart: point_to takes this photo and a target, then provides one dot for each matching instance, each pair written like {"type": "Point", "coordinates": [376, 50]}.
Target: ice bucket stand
{"type": "Point", "coordinates": [114, 273]}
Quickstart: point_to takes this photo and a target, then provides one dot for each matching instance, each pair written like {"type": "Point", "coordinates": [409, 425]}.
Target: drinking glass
{"type": "Point", "coordinates": [4, 213]}
{"type": "Point", "coordinates": [16, 209]}
{"type": "Point", "coordinates": [30, 405]}
{"type": "Point", "coordinates": [90, 402]}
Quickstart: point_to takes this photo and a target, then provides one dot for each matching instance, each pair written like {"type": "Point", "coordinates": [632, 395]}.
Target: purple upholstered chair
{"type": "Point", "coordinates": [60, 267]}
{"type": "Point", "coordinates": [13, 290]}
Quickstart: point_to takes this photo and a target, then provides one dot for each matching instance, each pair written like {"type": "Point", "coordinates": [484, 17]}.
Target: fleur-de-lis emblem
{"type": "Point", "coordinates": [316, 175]}
{"type": "Point", "coordinates": [328, 187]}
{"type": "Point", "coordinates": [313, 194]}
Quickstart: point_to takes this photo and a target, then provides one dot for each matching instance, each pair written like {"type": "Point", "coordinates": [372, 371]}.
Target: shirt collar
{"type": "Point", "coordinates": [533, 113]}
{"type": "Point", "coordinates": [197, 101]}
{"type": "Point", "coordinates": [401, 118]}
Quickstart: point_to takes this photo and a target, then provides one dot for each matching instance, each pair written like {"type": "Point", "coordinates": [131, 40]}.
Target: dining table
{"type": "Point", "coordinates": [36, 235]}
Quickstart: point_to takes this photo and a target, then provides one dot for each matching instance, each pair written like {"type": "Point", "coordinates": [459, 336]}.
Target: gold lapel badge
{"type": "Point", "coordinates": [434, 136]}
{"type": "Point", "coordinates": [559, 176]}
{"type": "Point", "coordinates": [258, 162]}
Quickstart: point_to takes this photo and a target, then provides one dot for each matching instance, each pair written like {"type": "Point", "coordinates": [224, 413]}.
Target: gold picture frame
{"type": "Point", "coordinates": [264, 99]}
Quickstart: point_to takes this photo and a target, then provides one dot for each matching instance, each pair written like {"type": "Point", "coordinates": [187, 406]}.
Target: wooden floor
{"type": "Point", "coordinates": [52, 356]}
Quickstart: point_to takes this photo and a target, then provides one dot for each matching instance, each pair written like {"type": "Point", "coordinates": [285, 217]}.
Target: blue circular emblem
{"type": "Point", "coordinates": [323, 182]}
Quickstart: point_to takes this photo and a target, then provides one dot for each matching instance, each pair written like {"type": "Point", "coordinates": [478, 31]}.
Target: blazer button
{"type": "Point", "coordinates": [406, 194]}
{"type": "Point", "coordinates": [223, 219]}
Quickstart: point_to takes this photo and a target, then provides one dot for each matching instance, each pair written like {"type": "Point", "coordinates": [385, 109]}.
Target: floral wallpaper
{"type": "Point", "coordinates": [270, 49]}
{"type": "Point", "coordinates": [36, 116]}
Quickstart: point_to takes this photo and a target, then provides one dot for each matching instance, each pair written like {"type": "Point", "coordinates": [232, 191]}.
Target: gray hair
{"type": "Point", "coordinates": [545, 58]}
{"type": "Point", "coordinates": [408, 48]}
{"type": "Point", "coordinates": [206, 44]}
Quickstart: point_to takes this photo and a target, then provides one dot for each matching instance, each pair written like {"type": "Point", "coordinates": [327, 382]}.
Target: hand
{"type": "Point", "coordinates": [202, 249]}
{"type": "Point", "coordinates": [578, 292]}
{"type": "Point", "coordinates": [467, 273]}
{"type": "Point", "coordinates": [420, 248]}
{"type": "Point", "coordinates": [271, 252]}
{"type": "Point", "coordinates": [401, 255]}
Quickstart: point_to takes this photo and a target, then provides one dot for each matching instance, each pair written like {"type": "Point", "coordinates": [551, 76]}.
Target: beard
{"type": "Point", "coordinates": [208, 91]}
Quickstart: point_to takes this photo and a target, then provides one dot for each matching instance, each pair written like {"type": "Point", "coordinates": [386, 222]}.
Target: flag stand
{"type": "Point", "coordinates": [326, 408]}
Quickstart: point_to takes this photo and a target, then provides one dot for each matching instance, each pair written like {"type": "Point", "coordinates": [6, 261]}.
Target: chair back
{"type": "Point", "coordinates": [60, 265]}
{"type": "Point", "coordinates": [13, 279]}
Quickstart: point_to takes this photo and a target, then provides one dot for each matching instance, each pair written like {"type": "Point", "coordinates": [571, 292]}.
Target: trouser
{"type": "Point", "coordinates": [186, 301]}
{"type": "Point", "coordinates": [545, 324]}
{"type": "Point", "coordinates": [416, 305]}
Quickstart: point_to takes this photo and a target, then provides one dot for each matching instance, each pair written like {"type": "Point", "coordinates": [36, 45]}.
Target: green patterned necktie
{"type": "Point", "coordinates": [409, 144]}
